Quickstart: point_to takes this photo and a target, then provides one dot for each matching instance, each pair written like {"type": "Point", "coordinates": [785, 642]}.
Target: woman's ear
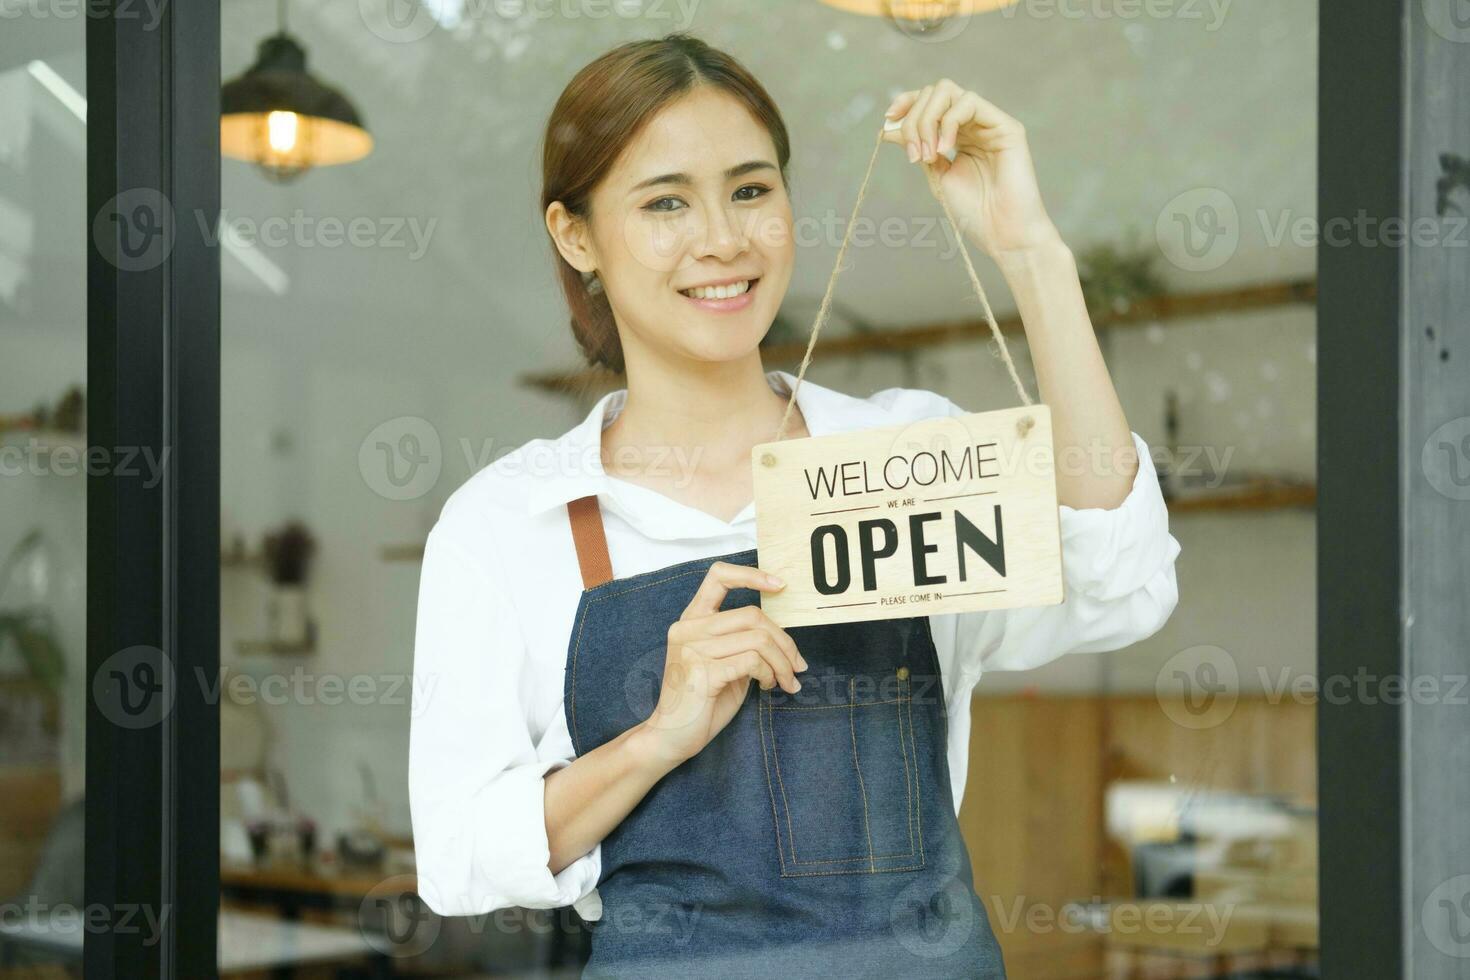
{"type": "Point", "coordinates": [570, 235]}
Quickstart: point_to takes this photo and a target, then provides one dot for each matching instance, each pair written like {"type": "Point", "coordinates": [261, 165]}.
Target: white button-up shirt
{"type": "Point", "coordinates": [499, 590]}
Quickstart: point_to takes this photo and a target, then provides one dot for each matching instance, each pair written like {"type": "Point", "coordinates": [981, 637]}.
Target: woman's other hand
{"type": "Point", "coordinates": [712, 657]}
{"type": "Point", "coordinates": [991, 184]}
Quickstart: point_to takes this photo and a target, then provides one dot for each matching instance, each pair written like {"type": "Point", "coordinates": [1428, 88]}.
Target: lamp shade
{"type": "Point", "coordinates": [280, 117]}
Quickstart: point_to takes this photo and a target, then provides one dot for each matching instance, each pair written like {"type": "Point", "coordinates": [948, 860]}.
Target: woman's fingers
{"type": "Point", "coordinates": [748, 664]}
{"type": "Point", "coordinates": [745, 618]}
{"type": "Point", "coordinates": [756, 641]}
{"type": "Point", "coordinates": [720, 579]}
{"type": "Point", "coordinates": [927, 115]}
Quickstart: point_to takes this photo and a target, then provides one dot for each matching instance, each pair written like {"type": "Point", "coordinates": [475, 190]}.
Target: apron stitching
{"type": "Point", "coordinates": [786, 803]}
{"type": "Point", "coordinates": [824, 707]}
{"type": "Point", "coordinates": [917, 803]}
{"type": "Point", "coordinates": [858, 767]}
{"type": "Point", "coordinates": [775, 820]}
{"type": "Point", "coordinates": [907, 781]}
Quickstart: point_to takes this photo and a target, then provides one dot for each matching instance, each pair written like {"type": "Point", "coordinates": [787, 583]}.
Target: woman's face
{"type": "Point", "coordinates": [695, 200]}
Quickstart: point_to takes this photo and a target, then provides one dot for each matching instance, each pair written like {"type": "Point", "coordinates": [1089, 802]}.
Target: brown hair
{"type": "Point", "coordinates": [598, 114]}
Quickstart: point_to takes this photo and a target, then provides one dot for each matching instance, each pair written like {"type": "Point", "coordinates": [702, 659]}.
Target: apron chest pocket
{"type": "Point", "coordinates": [841, 765]}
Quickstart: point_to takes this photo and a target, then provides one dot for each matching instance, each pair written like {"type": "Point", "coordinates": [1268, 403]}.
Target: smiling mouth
{"type": "Point", "coordinates": [716, 294]}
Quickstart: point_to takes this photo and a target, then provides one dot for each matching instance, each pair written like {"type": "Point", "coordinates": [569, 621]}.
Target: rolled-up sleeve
{"type": "Point", "coordinates": [476, 795]}
{"type": "Point", "coordinates": [1119, 586]}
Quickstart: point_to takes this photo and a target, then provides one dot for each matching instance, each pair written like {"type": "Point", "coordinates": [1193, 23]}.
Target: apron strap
{"type": "Point", "coordinates": [591, 541]}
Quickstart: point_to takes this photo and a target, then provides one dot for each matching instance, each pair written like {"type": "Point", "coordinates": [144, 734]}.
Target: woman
{"type": "Point", "coordinates": [585, 728]}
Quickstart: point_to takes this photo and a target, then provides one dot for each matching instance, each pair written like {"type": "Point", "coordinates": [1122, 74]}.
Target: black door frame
{"type": "Point", "coordinates": [153, 200]}
{"type": "Point", "coordinates": [1360, 457]}
{"type": "Point", "coordinates": [153, 572]}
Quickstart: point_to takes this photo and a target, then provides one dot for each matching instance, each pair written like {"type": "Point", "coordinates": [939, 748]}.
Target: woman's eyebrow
{"type": "Point", "coordinates": [740, 169]}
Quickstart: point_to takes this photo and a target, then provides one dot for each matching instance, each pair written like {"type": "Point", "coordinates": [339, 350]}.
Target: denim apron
{"type": "Point", "coordinates": [814, 836]}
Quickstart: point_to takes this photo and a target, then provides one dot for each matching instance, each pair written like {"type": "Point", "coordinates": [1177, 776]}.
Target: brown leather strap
{"type": "Point", "coordinates": [591, 541]}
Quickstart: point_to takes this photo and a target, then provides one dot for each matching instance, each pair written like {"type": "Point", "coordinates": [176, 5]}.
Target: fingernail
{"type": "Point", "coordinates": [801, 661]}
{"type": "Point", "coordinates": [951, 153]}
{"type": "Point", "coordinates": [796, 686]}
{"type": "Point", "coordinates": [892, 124]}
{"type": "Point", "coordinates": [925, 151]}
{"type": "Point", "coordinates": [913, 153]}
{"type": "Point", "coordinates": [775, 581]}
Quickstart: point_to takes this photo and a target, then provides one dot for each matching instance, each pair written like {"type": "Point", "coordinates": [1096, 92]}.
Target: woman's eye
{"type": "Point", "coordinates": [664, 205]}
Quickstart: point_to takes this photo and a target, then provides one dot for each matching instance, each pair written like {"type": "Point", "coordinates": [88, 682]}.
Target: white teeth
{"type": "Point", "coordinates": [717, 292]}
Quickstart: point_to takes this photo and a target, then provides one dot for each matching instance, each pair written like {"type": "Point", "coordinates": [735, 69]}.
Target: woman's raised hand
{"type": "Point", "coordinates": [713, 655]}
{"type": "Point", "coordinates": [991, 184]}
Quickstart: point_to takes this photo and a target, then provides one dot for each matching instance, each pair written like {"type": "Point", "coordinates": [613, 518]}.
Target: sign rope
{"type": "Point", "coordinates": [825, 308]}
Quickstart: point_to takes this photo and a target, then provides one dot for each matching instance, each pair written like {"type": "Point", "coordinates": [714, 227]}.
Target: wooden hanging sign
{"type": "Point", "coordinates": [946, 515]}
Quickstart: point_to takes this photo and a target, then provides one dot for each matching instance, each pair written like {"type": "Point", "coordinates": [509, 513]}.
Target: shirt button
{"type": "Point", "coordinates": [903, 673]}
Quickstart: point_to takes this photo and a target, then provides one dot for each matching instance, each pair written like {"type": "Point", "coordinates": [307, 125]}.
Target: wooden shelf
{"type": "Point", "coordinates": [1259, 494]}
{"type": "Point", "coordinates": [1159, 308]}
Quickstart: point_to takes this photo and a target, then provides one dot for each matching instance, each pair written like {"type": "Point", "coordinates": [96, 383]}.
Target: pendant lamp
{"type": "Point", "coordinates": [920, 17]}
{"type": "Point", "coordinates": [284, 120]}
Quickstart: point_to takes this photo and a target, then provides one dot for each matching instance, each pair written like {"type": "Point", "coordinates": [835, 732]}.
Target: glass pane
{"type": "Point", "coordinates": [394, 323]}
{"type": "Point", "coordinates": [43, 545]}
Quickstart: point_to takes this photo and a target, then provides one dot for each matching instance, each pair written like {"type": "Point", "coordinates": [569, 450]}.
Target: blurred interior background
{"type": "Point", "coordinates": [391, 324]}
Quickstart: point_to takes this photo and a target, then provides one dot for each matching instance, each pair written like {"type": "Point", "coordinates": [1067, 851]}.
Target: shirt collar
{"type": "Point", "coordinates": [575, 460]}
